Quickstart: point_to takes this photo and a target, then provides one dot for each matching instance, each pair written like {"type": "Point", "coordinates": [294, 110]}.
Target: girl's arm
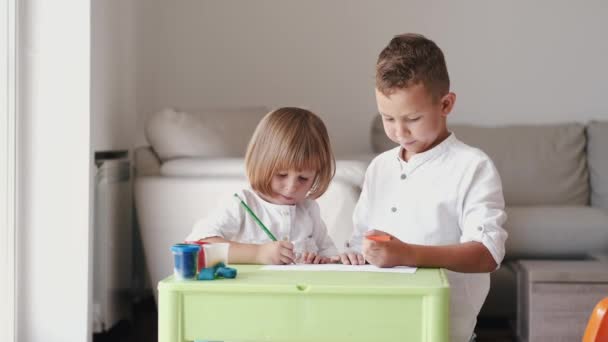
{"type": "Point", "coordinates": [277, 252]}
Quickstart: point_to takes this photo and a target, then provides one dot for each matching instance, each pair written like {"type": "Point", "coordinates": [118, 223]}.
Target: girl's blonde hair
{"type": "Point", "coordinates": [290, 138]}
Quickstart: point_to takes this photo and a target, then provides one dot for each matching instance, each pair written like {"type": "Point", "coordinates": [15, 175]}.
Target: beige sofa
{"type": "Point", "coordinates": [195, 158]}
{"type": "Point", "coordinates": [555, 183]}
{"type": "Point", "coordinates": [555, 180]}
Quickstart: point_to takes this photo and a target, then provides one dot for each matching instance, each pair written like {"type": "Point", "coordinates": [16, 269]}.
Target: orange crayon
{"type": "Point", "coordinates": [379, 238]}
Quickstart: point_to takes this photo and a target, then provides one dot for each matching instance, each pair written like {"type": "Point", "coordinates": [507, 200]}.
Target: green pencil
{"type": "Point", "coordinates": [255, 218]}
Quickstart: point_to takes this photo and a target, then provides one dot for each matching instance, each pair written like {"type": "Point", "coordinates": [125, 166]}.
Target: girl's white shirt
{"type": "Point", "coordinates": [301, 224]}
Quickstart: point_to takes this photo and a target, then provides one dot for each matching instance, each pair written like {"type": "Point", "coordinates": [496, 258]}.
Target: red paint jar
{"type": "Point", "coordinates": [201, 254]}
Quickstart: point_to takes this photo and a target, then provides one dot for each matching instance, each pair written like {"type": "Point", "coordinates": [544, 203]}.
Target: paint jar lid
{"type": "Point", "coordinates": [185, 248]}
{"type": "Point", "coordinates": [200, 243]}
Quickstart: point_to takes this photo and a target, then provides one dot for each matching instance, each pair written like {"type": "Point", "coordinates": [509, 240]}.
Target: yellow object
{"type": "Point", "coordinates": [306, 306]}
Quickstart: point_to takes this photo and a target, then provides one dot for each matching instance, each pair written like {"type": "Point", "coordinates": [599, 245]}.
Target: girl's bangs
{"type": "Point", "coordinates": [298, 159]}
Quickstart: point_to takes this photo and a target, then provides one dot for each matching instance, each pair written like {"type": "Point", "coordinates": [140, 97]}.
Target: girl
{"type": "Point", "coordinates": [289, 164]}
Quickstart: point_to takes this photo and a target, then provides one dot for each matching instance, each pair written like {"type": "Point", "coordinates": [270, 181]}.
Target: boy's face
{"type": "Point", "coordinates": [413, 120]}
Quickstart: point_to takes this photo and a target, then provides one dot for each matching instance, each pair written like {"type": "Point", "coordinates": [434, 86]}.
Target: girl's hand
{"type": "Point", "coordinates": [387, 251]}
{"type": "Point", "coordinates": [348, 258]}
{"type": "Point", "coordinates": [312, 258]}
{"type": "Point", "coordinates": [327, 260]}
{"type": "Point", "coordinates": [275, 253]}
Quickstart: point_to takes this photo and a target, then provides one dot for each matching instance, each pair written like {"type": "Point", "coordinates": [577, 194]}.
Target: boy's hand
{"type": "Point", "coordinates": [275, 253]}
{"type": "Point", "coordinates": [387, 251]}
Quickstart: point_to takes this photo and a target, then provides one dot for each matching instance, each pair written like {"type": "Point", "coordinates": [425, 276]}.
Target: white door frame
{"type": "Point", "coordinates": [8, 165]}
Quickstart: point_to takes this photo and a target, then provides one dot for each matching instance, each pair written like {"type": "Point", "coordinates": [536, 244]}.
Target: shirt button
{"type": "Point", "coordinates": [403, 176]}
{"type": "Point", "coordinates": [480, 229]}
{"type": "Point", "coordinates": [393, 209]}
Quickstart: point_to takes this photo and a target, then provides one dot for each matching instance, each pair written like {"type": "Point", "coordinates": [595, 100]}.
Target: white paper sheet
{"type": "Point", "coordinates": [338, 268]}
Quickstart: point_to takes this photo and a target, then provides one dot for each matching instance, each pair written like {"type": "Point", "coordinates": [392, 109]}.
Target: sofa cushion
{"type": "Point", "coordinates": [555, 231]}
{"type": "Point", "coordinates": [538, 164]}
{"type": "Point", "coordinates": [146, 162]}
{"type": "Point", "coordinates": [597, 157]}
{"type": "Point", "coordinates": [210, 133]}
{"type": "Point", "coordinates": [348, 171]}
{"type": "Point", "coordinates": [200, 167]}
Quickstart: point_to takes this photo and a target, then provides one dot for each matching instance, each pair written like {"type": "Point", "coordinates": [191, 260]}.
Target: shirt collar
{"type": "Point", "coordinates": [267, 204]}
{"type": "Point", "coordinates": [422, 157]}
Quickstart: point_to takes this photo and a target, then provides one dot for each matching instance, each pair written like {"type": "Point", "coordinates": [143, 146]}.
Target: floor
{"type": "Point", "coordinates": [495, 330]}
{"type": "Point", "coordinates": [143, 328]}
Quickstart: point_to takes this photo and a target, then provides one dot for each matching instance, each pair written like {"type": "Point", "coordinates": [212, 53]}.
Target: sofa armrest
{"type": "Point", "coordinates": [147, 162]}
{"type": "Point", "coordinates": [599, 256]}
{"type": "Point", "coordinates": [597, 158]}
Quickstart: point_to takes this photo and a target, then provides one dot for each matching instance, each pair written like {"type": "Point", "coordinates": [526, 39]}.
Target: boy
{"type": "Point", "coordinates": [438, 200]}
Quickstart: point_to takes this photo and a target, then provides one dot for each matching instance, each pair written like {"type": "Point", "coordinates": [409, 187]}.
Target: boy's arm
{"type": "Point", "coordinates": [483, 214]}
{"type": "Point", "coordinates": [471, 257]}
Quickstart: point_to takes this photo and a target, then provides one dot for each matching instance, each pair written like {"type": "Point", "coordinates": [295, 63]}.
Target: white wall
{"type": "Point", "coordinates": [54, 149]}
{"type": "Point", "coordinates": [113, 69]}
{"type": "Point", "coordinates": [510, 61]}
{"type": "Point", "coordinates": [113, 117]}
{"type": "Point", "coordinates": [77, 89]}
{"type": "Point", "coordinates": [8, 84]}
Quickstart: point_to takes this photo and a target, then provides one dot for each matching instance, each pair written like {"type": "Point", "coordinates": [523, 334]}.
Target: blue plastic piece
{"type": "Point", "coordinates": [226, 272]}
{"type": "Point", "coordinates": [206, 274]}
{"type": "Point", "coordinates": [218, 271]}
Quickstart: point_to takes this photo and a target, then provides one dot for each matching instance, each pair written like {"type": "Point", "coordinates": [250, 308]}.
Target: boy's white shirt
{"type": "Point", "coordinates": [449, 194]}
{"type": "Point", "coordinates": [301, 224]}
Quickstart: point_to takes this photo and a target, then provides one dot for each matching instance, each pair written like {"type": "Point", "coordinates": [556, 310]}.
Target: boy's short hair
{"type": "Point", "coordinates": [290, 138]}
{"type": "Point", "coordinates": [410, 59]}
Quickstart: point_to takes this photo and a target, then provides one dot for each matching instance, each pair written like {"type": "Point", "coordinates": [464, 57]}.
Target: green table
{"type": "Point", "coordinates": [306, 306]}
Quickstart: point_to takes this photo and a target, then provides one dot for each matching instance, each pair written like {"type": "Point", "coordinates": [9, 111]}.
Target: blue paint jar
{"type": "Point", "coordinates": [185, 257]}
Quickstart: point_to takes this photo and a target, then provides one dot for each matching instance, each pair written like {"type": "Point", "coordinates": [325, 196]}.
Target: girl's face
{"type": "Point", "coordinates": [290, 186]}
